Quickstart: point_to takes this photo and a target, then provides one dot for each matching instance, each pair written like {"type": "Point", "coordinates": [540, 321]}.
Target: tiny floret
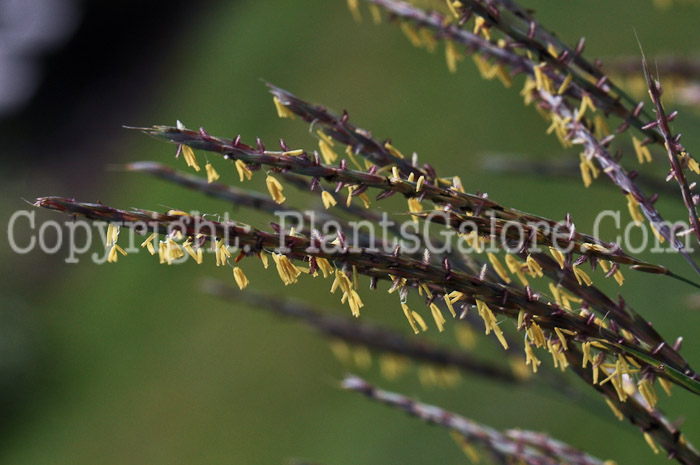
{"type": "Point", "coordinates": [148, 243]}
{"type": "Point", "coordinates": [275, 189]}
{"type": "Point", "coordinates": [328, 200]}
{"type": "Point", "coordinates": [212, 175]}
{"type": "Point", "coordinates": [282, 111]}
{"type": "Point", "coordinates": [329, 156]}
{"type": "Point", "coordinates": [243, 170]}
{"type": "Point", "coordinates": [240, 277]}
{"type": "Point", "coordinates": [190, 159]}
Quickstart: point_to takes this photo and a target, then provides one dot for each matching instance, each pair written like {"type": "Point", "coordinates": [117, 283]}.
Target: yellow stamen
{"type": "Point", "coordinates": [534, 332]}
{"type": "Point", "coordinates": [112, 257]}
{"type": "Point", "coordinates": [693, 166]}
{"type": "Point", "coordinates": [342, 281]}
{"type": "Point", "coordinates": [328, 200]}
{"type": "Point", "coordinates": [376, 14]}
{"type": "Point", "coordinates": [395, 175]}
{"type": "Point", "coordinates": [527, 92]}
{"type": "Point", "coordinates": [409, 317]}
{"type": "Point", "coordinates": [393, 150]}
{"type": "Point", "coordinates": [449, 306]}
{"type": "Point", "coordinates": [190, 159]}
{"type": "Point", "coordinates": [601, 127]}
{"type": "Point", "coordinates": [453, 5]}
{"type": "Point", "coordinates": [500, 72]}
{"type": "Point", "coordinates": [586, 103]}
{"type": "Point", "coordinates": [490, 322]}
{"type": "Point", "coordinates": [665, 385]}
{"type": "Point", "coordinates": [483, 66]}
{"type": "Point", "coordinates": [325, 138]}
{"type": "Point", "coordinates": [437, 316]}
{"type": "Point", "coordinates": [515, 267]}
{"type": "Point", "coordinates": [539, 81]}
{"type": "Point", "coordinates": [657, 234]}
{"type": "Point", "coordinates": [562, 339]}
{"type": "Point", "coordinates": [531, 358]}
{"type": "Point", "coordinates": [365, 200]}
{"type": "Point", "coordinates": [419, 184]}
{"type": "Point", "coordinates": [172, 251]}
{"type": "Point", "coordinates": [161, 252]}
{"type": "Point", "coordinates": [355, 10]}
{"type": "Point", "coordinates": [392, 366]}
{"type": "Point", "coordinates": [222, 254]}
{"type": "Point", "coordinates": [651, 442]}
{"type": "Point", "coordinates": [348, 201]}
{"type": "Point", "coordinates": [498, 268]}
{"type": "Point", "coordinates": [275, 188]}
{"type": "Point", "coordinates": [534, 267]}
{"type": "Point", "coordinates": [421, 322]}
{"type": "Point", "coordinates": [582, 277]}
{"type": "Point", "coordinates": [518, 366]}
{"type": "Point", "coordinates": [565, 84]}
{"type": "Point", "coordinates": [480, 26]}
{"type": "Point", "coordinates": [646, 389]}
{"type": "Point", "coordinates": [286, 269]}
{"type": "Point", "coordinates": [341, 351]}
{"type": "Point", "coordinates": [196, 255]}
{"type": "Point", "coordinates": [615, 410]}
{"type": "Point", "coordinates": [558, 357]}
{"type": "Point", "coordinates": [596, 247]}
{"type": "Point", "coordinates": [586, 349]}
{"type": "Point", "coordinates": [362, 357]}
{"type": "Point", "coordinates": [240, 278]}
{"type": "Point", "coordinates": [243, 171]}
{"type": "Point", "coordinates": [642, 151]}
{"type": "Point", "coordinates": [148, 243]}
{"type": "Point", "coordinates": [325, 266]}
{"type": "Point", "coordinates": [410, 32]}
{"type": "Point", "coordinates": [466, 447]}
{"type": "Point", "coordinates": [558, 256]}
{"type": "Point", "coordinates": [329, 156]}
{"type": "Point", "coordinates": [112, 234]}
{"type": "Point", "coordinates": [452, 56]}
{"type": "Point", "coordinates": [455, 296]}
{"type": "Point", "coordinates": [414, 206]}
{"type": "Point", "coordinates": [351, 155]}
{"type": "Point", "coordinates": [466, 336]}
{"type": "Point", "coordinates": [555, 292]}
{"type": "Point", "coordinates": [354, 301]}
{"type": "Point", "coordinates": [282, 111]}
{"type": "Point", "coordinates": [212, 175]}
{"type": "Point", "coordinates": [428, 39]}
{"type": "Point", "coordinates": [585, 171]}
{"type": "Point", "coordinates": [633, 207]}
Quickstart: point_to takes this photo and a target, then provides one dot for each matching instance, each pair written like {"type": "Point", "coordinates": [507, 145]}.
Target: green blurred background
{"type": "Point", "coordinates": [132, 363]}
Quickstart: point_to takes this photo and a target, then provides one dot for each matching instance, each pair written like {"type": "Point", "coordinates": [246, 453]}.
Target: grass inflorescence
{"type": "Point", "coordinates": [534, 291]}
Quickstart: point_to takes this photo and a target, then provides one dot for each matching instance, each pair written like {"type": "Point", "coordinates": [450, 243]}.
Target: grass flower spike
{"type": "Point", "coordinates": [535, 285]}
